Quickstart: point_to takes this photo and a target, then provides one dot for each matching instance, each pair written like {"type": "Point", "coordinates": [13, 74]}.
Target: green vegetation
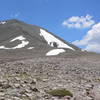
{"type": "Point", "coordinates": [60, 93]}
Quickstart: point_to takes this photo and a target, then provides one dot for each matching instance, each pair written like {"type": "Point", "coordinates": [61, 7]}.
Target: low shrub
{"type": "Point", "coordinates": [60, 93]}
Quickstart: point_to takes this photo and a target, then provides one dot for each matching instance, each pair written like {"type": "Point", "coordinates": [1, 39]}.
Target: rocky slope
{"type": "Point", "coordinates": [37, 65]}
{"type": "Point", "coordinates": [31, 79]}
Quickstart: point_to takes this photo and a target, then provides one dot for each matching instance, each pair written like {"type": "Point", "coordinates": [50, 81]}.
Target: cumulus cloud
{"type": "Point", "coordinates": [91, 40]}
{"type": "Point", "coordinates": [79, 22]}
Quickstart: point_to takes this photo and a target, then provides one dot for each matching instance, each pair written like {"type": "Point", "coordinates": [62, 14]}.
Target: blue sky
{"type": "Point", "coordinates": [51, 14]}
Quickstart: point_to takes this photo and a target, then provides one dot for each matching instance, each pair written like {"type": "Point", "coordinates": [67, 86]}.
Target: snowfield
{"type": "Point", "coordinates": [21, 45]}
{"type": "Point", "coordinates": [18, 38]}
{"type": "Point", "coordinates": [51, 39]}
{"type": "Point", "coordinates": [30, 48]}
{"type": "Point", "coordinates": [55, 52]}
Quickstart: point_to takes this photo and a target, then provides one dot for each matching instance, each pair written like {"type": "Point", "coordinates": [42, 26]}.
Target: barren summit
{"type": "Point", "coordinates": [35, 64]}
{"type": "Point", "coordinates": [15, 35]}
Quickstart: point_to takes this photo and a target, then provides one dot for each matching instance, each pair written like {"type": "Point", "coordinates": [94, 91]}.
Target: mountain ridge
{"type": "Point", "coordinates": [32, 35]}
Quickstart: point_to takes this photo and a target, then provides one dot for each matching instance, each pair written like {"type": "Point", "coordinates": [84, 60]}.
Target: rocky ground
{"type": "Point", "coordinates": [31, 79]}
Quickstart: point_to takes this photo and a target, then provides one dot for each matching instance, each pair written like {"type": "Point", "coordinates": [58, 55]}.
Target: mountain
{"type": "Point", "coordinates": [16, 35]}
{"type": "Point", "coordinates": [35, 64]}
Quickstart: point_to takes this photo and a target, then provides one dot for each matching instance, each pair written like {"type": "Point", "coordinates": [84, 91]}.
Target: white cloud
{"type": "Point", "coordinates": [79, 22]}
{"type": "Point", "coordinates": [91, 40]}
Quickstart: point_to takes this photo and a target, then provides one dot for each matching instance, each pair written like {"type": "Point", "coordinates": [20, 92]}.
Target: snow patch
{"type": "Point", "coordinates": [3, 22]}
{"type": "Point", "coordinates": [55, 52]}
{"type": "Point", "coordinates": [30, 48]}
{"type": "Point", "coordinates": [18, 38]}
{"type": "Point", "coordinates": [21, 45]}
{"type": "Point", "coordinates": [3, 47]}
{"type": "Point", "coordinates": [51, 40]}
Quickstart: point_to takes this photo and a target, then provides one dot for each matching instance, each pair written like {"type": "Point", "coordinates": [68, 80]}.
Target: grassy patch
{"type": "Point", "coordinates": [60, 93]}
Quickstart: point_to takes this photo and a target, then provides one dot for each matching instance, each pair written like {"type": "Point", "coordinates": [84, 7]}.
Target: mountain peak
{"type": "Point", "coordinates": [15, 34]}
